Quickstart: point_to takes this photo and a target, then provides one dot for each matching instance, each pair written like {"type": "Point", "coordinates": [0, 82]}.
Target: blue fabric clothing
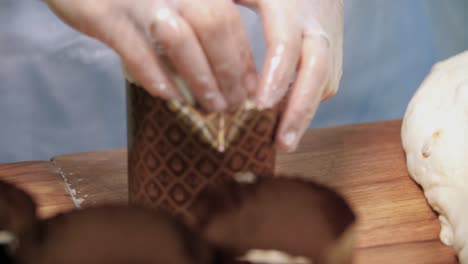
{"type": "Point", "coordinates": [63, 92]}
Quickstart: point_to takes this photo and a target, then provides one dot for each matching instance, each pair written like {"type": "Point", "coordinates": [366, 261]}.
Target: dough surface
{"type": "Point", "coordinates": [435, 139]}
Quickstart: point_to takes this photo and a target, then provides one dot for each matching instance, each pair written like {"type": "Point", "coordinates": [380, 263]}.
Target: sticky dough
{"type": "Point", "coordinates": [435, 139]}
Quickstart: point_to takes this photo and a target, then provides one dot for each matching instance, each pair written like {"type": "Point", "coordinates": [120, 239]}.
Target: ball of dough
{"type": "Point", "coordinates": [435, 139]}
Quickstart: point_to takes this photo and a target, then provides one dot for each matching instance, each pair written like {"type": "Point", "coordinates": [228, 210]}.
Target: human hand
{"type": "Point", "coordinates": [302, 35]}
{"type": "Point", "coordinates": [204, 40]}
{"type": "Point", "coordinates": [208, 47]}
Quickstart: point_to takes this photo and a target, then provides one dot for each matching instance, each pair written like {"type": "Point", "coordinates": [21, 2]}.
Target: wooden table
{"type": "Point", "coordinates": [365, 162]}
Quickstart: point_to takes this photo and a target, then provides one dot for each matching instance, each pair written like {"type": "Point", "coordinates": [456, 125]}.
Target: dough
{"type": "Point", "coordinates": [435, 139]}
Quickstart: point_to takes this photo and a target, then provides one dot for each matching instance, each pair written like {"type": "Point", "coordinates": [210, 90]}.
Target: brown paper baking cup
{"type": "Point", "coordinates": [176, 151]}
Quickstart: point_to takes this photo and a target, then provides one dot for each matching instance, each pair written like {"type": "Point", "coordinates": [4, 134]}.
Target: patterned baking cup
{"type": "Point", "coordinates": [176, 151]}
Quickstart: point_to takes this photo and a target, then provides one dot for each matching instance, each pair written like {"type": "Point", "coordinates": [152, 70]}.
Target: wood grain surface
{"type": "Point", "coordinates": [364, 162]}
{"type": "Point", "coordinates": [95, 177]}
{"type": "Point", "coordinates": [43, 181]}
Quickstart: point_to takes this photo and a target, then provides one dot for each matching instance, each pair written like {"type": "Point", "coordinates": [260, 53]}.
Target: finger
{"type": "Point", "coordinates": [219, 29]}
{"type": "Point", "coordinates": [248, 3]}
{"type": "Point", "coordinates": [283, 36]}
{"type": "Point", "coordinates": [182, 46]}
{"type": "Point", "coordinates": [306, 94]}
{"type": "Point", "coordinates": [140, 59]}
{"type": "Point", "coordinates": [329, 93]}
{"type": "Point", "coordinates": [251, 74]}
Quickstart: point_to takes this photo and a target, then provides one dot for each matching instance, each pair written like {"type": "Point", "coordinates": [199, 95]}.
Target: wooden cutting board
{"type": "Point", "coordinates": [364, 162]}
{"type": "Point", "coordinates": [42, 181]}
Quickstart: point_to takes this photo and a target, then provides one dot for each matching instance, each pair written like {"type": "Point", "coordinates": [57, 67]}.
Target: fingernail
{"type": "Point", "coordinates": [159, 88]}
{"type": "Point", "coordinates": [175, 96]}
{"type": "Point", "coordinates": [290, 139]}
{"type": "Point", "coordinates": [251, 81]}
{"type": "Point", "coordinates": [216, 100]}
{"type": "Point", "coordinates": [235, 96]}
{"type": "Point", "coordinates": [219, 104]}
{"type": "Point", "coordinates": [264, 102]}
{"type": "Point", "coordinates": [162, 89]}
{"type": "Point", "coordinates": [260, 104]}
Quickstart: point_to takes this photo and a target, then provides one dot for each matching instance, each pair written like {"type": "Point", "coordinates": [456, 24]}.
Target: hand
{"type": "Point", "coordinates": [306, 35]}
{"type": "Point", "coordinates": [204, 40]}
